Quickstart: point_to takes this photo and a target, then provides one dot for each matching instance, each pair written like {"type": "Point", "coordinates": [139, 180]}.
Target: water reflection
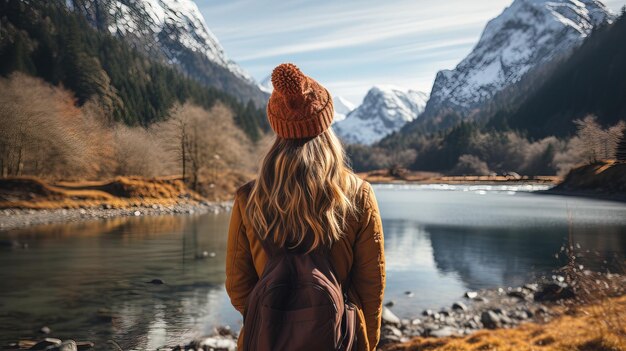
{"type": "Point", "coordinates": [87, 280]}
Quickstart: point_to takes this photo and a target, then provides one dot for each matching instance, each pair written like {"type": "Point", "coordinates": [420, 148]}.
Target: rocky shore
{"type": "Point", "coordinates": [486, 309]}
{"type": "Point", "coordinates": [19, 218]}
{"type": "Point", "coordinates": [507, 308]}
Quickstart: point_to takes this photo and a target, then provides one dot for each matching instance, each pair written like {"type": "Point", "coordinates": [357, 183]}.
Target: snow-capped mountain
{"type": "Point", "coordinates": [175, 32]}
{"type": "Point", "coordinates": [385, 109]}
{"type": "Point", "coordinates": [342, 108]}
{"type": "Point", "coordinates": [527, 34]}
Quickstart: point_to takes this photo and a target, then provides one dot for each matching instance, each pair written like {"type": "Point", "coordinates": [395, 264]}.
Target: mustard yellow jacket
{"type": "Point", "coordinates": [359, 255]}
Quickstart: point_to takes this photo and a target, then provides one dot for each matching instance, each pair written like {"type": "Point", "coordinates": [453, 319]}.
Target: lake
{"type": "Point", "coordinates": [88, 280]}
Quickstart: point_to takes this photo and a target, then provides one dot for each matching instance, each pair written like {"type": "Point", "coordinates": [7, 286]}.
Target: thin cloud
{"type": "Point", "coordinates": [353, 44]}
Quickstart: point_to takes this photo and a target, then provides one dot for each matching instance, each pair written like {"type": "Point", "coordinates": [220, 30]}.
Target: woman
{"type": "Point", "coordinates": [305, 199]}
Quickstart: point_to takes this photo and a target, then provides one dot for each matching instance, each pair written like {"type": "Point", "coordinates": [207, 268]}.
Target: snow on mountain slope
{"type": "Point", "coordinates": [528, 33]}
{"type": "Point", "coordinates": [266, 84]}
{"type": "Point", "coordinates": [385, 109]}
{"type": "Point", "coordinates": [175, 32]}
{"type": "Point", "coordinates": [342, 108]}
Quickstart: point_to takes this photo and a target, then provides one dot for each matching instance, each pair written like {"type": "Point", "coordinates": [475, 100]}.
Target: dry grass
{"type": "Point", "coordinates": [585, 328]}
{"type": "Point", "coordinates": [121, 192]}
{"type": "Point", "coordinates": [595, 320]}
{"type": "Point", "coordinates": [601, 177]}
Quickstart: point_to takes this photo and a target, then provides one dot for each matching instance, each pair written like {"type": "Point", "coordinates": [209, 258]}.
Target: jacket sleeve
{"type": "Point", "coordinates": [240, 273]}
{"type": "Point", "coordinates": [368, 270]}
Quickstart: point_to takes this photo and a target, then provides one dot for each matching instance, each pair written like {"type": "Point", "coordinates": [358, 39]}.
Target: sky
{"type": "Point", "coordinates": [350, 46]}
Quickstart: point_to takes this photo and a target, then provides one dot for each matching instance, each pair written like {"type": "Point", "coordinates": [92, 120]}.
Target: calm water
{"type": "Point", "coordinates": [440, 241]}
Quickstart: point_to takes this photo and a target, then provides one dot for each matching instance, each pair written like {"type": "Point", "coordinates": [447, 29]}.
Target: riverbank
{"type": "Point", "coordinates": [548, 315]}
{"type": "Point", "coordinates": [27, 201]}
{"type": "Point", "coordinates": [20, 218]}
{"type": "Point", "coordinates": [583, 328]}
{"type": "Point", "coordinates": [480, 314]}
{"type": "Point", "coordinates": [601, 180]}
{"type": "Point", "coordinates": [385, 176]}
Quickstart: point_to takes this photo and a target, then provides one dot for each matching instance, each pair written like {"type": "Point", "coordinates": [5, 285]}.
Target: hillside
{"type": "Point", "coordinates": [173, 32]}
{"type": "Point", "coordinates": [606, 179]}
{"type": "Point", "coordinates": [45, 40]}
{"type": "Point", "coordinates": [525, 36]}
{"type": "Point", "coordinates": [532, 127]}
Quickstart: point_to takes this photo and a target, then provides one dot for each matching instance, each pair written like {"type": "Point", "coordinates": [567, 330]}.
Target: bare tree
{"type": "Point", "coordinates": [138, 152]}
{"type": "Point", "coordinates": [471, 165]}
{"type": "Point", "coordinates": [590, 135]}
{"type": "Point", "coordinates": [205, 141]}
{"type": "Point", "coordinates": [42, 132]}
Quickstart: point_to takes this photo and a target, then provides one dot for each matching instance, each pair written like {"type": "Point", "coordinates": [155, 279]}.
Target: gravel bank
{"type": "Point", "coordinates": [20, 218]}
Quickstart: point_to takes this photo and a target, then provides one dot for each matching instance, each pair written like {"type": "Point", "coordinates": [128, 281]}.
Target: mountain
{"type": "Point", "coordinates": [173, 31]}
{"type": "Point", "coordinates": [526, 35]}
{"type": "Point", "coordinates": [385, 109]}
{"type": "Point", "coordinates": [342, 108]}
{"type": "Point", "coordinates": [590, 81]}
{"type": "Point", "coordinates": [46, 40]}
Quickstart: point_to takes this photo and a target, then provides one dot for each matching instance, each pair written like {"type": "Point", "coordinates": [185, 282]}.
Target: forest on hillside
{"type": "Point", "coordinates": [45, 40]}
{"type": "Point", "coordinates": [78, 104]}
{"type": "Point", "coordinates": [43, 133]}
{"type": "Point", "coordinates": [558, 116]}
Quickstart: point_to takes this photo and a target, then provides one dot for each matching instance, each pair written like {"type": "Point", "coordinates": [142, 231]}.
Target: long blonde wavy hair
{"type": "Point", "coordinates": [304, 193]}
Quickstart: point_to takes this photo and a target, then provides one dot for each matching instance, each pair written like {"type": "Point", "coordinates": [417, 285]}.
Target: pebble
{"type": "Point", "coordinates": [391, 330]}
{"type": "Point", "coordinates": [213, 343]}
{"type": "Point", "coordinates": [67, 345]}
{"type": "Point", "coordinates": [45, 343]}
{"type": "Point", "coordinates": [389, 317]}
{"type": "Point", "coordinates": [459, 306]}
{"type": "Point", "coordinates": [471, 294]}
{"type": "Point", "coordinates": [490, 319]}
{"type": "Point", "coordinates": [445, 332]}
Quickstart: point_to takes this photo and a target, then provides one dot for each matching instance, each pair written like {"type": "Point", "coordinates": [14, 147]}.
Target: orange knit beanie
{"type": "Point", "coordinates": [299, 106]}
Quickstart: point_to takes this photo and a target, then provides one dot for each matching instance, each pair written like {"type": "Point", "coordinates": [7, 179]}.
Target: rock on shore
{"type": "Point", "coordinates": [491, 309]}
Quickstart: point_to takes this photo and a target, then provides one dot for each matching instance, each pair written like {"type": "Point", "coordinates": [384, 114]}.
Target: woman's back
{"type": "Point", "coordinates": [306, 200]}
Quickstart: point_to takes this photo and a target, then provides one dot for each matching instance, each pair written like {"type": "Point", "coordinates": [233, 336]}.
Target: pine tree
{"type": "Point", "coordinates": [45, 40]}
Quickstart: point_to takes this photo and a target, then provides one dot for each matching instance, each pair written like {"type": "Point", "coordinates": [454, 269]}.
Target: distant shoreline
{"type": "Point", "coordinates": [403, 176]}
{"type": "Point", "coordinates": [603, 180]}
{"type": "Point", "coordinates": [14, 218]}
{"type": "Point", "coordinates": [29, 201]}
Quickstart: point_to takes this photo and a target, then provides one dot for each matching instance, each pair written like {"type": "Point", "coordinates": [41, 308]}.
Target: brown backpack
{"type": "Point", "coordinates": [298, 304]}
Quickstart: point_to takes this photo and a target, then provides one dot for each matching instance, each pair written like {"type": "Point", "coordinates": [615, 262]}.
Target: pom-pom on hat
{"type": "Point", "coordinates": [299, 107]}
